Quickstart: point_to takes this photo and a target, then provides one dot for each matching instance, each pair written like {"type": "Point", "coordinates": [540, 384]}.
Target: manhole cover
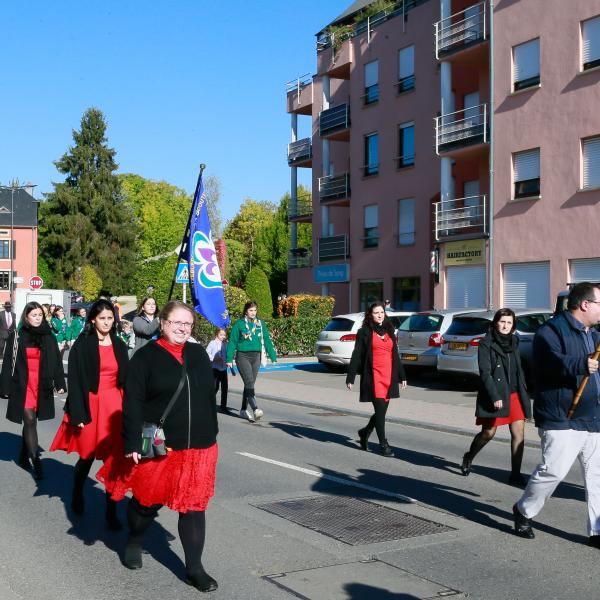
{"type": "Point", "coordinates": [351, 520]}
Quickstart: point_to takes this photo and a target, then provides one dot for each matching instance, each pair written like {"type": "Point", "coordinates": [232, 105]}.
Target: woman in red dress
{"type": "Point", "coordinates": [93, 411]}
{"type": "Point", "coordinates": [183, 479]}
{"type": "Point", "coordinates": [375, 358]}
{"type": "Point", "coordinates": [32, 369]}
{"type": "Point", "coordinates": [502, 398]}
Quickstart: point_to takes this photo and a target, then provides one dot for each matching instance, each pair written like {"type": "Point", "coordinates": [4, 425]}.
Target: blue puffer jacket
{"type": "Point", "coordinates": [560, 358]}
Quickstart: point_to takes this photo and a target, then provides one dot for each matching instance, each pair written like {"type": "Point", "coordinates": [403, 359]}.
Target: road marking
{"type": "Point", "coordinates": [320, 475]}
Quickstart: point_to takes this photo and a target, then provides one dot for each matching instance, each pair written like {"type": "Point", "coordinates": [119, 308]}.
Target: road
{"type": "Point", "coordinates": [307, 459]}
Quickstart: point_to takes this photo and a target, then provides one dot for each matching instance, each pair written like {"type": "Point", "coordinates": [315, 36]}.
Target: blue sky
{"type": "Point", "coordinates": [180, 83]}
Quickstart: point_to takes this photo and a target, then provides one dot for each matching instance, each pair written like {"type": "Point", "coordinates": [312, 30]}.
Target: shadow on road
{"type": "Point", "coordinates": [312, 433]}
{"type": "Point", "coordinates": [360, 591]}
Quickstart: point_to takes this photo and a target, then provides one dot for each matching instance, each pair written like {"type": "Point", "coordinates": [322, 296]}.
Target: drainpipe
{"type": "Point", "coordinates": [490, 113]}
{"type": "Point", "coordinates": [325, 164]}
{"type": "Point", "coordinates": [294, 188]}
{"type": "Point", "coordinates": [447, 107]}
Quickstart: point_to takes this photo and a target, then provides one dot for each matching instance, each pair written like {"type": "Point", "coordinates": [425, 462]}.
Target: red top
{"type": "Point", "coordinates": [175, 350]}
{"type": "Point", "coordinates": [382, 365]}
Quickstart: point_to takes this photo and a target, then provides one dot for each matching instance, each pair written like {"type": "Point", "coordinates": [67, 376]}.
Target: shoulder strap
{"type": "Point", "coordinates": [174, 397]}
{"type": "Point", "coordinates": [15, 350]}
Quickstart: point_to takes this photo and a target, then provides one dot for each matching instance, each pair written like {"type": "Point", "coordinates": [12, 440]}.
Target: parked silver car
{"type": "Point", "coordinates": [336, 342]}
{"type": "Point", "coordinates": [461, 341]}
{"type": "Point", "coordinates": [420, 336]}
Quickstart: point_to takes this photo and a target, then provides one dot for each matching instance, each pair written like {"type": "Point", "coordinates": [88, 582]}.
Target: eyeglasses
{"type": "Point", "coordinates": [180, 324]}
{"type": "Point", "coordinates": [593, 301]}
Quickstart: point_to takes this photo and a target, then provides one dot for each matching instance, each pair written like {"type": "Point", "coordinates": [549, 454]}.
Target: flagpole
{"type": "Point", "coordinates": [187, 229]}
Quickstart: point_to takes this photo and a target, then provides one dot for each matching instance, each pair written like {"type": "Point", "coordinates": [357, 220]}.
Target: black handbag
{"type": "Point", "coordinates": [153, 435]}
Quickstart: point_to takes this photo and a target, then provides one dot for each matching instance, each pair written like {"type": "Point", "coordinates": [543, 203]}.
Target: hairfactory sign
{"type": "Point", "coordinates": [469, 252]}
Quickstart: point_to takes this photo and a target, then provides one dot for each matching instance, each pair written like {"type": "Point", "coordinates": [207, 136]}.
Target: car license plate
{"type": "Point", "coordinates": [457, 345]}
{"type": "Point", "coordinates": [409, 357]}
{"type": "Point", "coordinates": [325, 350]}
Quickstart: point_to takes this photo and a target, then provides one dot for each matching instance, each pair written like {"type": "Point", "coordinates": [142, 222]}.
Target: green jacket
{"type": "Point", "coordinates": [77, 325]}
{"type": "Point", "coordinates": [241, 338]}
{"type": "Point", "coordinates": [60, 329]}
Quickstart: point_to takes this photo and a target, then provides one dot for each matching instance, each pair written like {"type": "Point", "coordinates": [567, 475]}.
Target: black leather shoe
{"type": "Point", "coordinates": [465, 467]}
{"type": "Point", "coordinates": [522, 525]}
{"type": "Point", "coordinates": [385, 449]}
{"type": "Point", "coordinates": [594, 541]}
{"type": "Point", "coordinates": [202, 581]}
{"type": "Point", "coordinates": [363, 438]}
{"type": "Point", "coordinates": [133, 556]}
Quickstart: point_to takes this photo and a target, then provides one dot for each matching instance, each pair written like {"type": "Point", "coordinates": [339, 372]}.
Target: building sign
{"type": "Point", "coordinates": [332, 273]}
{"type": "Point", "coordinates": [468, 252]}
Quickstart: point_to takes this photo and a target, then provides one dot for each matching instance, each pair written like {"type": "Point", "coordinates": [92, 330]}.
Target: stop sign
{"type": "Point", "coordinates": [35, 282]}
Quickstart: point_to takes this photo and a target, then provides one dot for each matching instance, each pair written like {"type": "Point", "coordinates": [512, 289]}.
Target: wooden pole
{"type": "Point", "coordinates": [581, 387]}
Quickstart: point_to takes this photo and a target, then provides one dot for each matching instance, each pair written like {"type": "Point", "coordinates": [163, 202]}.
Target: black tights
{"type": "Point", "coordinates": [30, 436]}
{"type": "Point", "coordinates": [377, 420]}
{"type": "Point", "coordinates": [191, 526]}
{"type": "Point", "coordinates": [80, 474]}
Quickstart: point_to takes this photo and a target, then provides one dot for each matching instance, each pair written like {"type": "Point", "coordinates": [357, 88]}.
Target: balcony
{"type": "Point", "coordinates": [300, 95]}
{"type": "Point", "coordinates": [299, 258]}
{"type": "Point", "coordinates": [335, 189]}
{"type": "Point", "coordinates": [299, 153]}
{"type": "Point", "coordinates": [460, 129]}
{"type": "Point", "coordinates": [334, 123]}
{"type": "Point", "coordinates": [462, 218]}
{"type": "Point", "coordinates": [335, 247]}
{"type": "Point", "coordinates": [460, 31]}
{"type": "Point", "coordinates": [302, 212]}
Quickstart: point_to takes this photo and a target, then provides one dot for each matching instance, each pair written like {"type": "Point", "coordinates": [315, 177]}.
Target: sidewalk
{"type": "Point", "coordinates": [437, 416]}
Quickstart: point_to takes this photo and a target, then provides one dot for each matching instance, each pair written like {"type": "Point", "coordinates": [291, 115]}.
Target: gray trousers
{"type": "Point", "coordinates": [248, 364]}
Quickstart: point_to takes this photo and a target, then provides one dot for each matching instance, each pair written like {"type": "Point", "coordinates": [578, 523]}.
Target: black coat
{"type": "Point", "coordinates": [84, 374]}
{"type": "Point", "coordinates": [494, 369]}
{"type": "Point", "coordinates": [52, 376]}
{"type": "Point", "coordinates": [152, 379]}
{"type": "Point", "coordinates": [362, 363]}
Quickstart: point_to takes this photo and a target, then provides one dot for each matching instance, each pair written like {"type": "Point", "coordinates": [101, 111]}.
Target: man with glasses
{"type": "Point", "coordinates": [562, 351]}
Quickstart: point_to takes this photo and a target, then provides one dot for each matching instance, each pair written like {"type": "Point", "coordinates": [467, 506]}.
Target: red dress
{"type": "Point", "coordinates": [183, 480]}
{"type": "Point", "coordinates": [102, 436]}
{"type": "Point", "coordinates": [33, 378]}
{"type": "Point", "coordinates": [382, 365]}
{"type": "Point", "coordinates": [516, 414]}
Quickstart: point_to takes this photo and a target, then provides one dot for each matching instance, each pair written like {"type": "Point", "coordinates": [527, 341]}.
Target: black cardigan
{"type": "Point", "coordinates": [84, 374]}
{"type": "Point", "coordinates": [362, 363]}
{"type": "Point", "coordinates": [494, 370]}
{"type": "Point", "coordinates": [153, 377]}
{"type": "Point", "coordinates": [52, 376]}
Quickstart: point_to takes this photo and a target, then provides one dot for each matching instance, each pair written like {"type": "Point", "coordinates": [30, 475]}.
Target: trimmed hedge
{"type": "Point", "coordinates": [258, 289]}
{"type": "Point", "coordinates": [306, 305]}
{"type": "Point", "coordinates": [290, 336]}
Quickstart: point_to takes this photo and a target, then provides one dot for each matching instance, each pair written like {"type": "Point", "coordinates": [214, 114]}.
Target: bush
{"type": "Point", "coordinates": [306, 305]}
{"type": "Point", "coordinates": [235, 298]}
{"type": "Point", "coordinates": [86, 281]}
{"type": "Point", "coordinates": [259, 290]}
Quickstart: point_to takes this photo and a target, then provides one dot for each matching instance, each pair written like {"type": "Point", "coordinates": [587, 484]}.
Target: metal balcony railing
{"type": "Point", "coordinates": [300, 150]}
{"type": "Point", "coordinates": [303, 208]}
{"type": "Point", "coordinates": [461, 128]}
{"type": "Point", "coordinates": [461, 29]}
{"type": "Point", "coordinates": [333, 247]}
{"type": "Point", "coordinates": [334, 187]}
{"type": "Point", "coordinates": [334, 119]}
{"type": "Point", "coordinates": [298, 258]}
{"type": "Point", "coordinates": [462, 216]}
{"type": "Point", "coordinates": [296, 85]}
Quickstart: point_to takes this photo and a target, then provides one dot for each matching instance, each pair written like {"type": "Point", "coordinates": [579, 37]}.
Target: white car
{"type": "Point", "coordinates": [336, 342]}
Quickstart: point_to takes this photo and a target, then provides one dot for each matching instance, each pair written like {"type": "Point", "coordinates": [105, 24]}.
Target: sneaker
{"type": "Point", "coordinates": [247, 414]}
{"type": "Point", "coordinates": [258, 413]}
{"type": "Point", "coordinates": [522, 524]}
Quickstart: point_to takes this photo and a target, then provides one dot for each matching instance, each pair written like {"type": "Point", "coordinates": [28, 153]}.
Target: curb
{"type": "Point", "coordinates": [398, 420]}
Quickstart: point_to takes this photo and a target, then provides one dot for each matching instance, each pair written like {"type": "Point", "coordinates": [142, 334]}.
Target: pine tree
{"type": "Point", "coordinates": [84, 221]}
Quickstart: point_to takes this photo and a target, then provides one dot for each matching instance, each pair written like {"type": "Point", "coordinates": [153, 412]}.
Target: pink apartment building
{"type": "Point", "coordinates": [425, 191]}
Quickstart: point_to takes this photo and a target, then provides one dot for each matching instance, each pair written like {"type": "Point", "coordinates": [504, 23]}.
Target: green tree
{"type": "Point", "coordinates": [86, 280]}
{"type": "Point", "coordinates": [84, 221]}
{"type": "Point", "coordinates": [250, 219]}
{"type": "Point", "coordinates": [238, 257]}
{"type": "Point", "coordinates": [258, 289]}
{"type": "Point", "coordinates": [212, 189]}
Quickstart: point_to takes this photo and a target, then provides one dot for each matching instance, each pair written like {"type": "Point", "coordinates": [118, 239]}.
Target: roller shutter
{"type": "Point", "coordinates": [465, 287]}
{"type": "Point", "coordinates": [527, 285]}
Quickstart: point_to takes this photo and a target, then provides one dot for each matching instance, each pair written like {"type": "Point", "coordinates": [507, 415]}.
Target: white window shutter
{"type": "Point", "coordinates": [371, 217]}
{"type": "Point", "coordinates": [371, 73]}
{"type": "Point", "coordinates": [590, 40]}
{"type": "Point", "coordinates": [407, 62]}
{"type": "Point", "coordinates": [526, 59]}
{"type": "Point", "coordinates": [591, 162]}
{"type": "Point", "coordinates": [527, 165]}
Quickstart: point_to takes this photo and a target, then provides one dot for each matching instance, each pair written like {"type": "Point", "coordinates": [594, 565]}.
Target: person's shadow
{"type": "Point", "coordinates": [361, 591]}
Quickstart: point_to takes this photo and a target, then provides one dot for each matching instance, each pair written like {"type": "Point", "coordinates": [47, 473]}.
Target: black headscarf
{"type": "Point", "coordinates": [506, 341]}
{"type": "Point", "coordinates": [35, 336]}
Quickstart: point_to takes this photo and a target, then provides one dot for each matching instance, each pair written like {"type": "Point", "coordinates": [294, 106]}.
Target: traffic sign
{"type": "Point", "coordinates": [183, 273]}
{"type": "Point", "coordinates": [36, 282]}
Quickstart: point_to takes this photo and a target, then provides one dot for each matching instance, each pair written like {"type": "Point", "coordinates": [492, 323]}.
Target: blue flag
{"type": "Point", "coordinates": [205, 276]}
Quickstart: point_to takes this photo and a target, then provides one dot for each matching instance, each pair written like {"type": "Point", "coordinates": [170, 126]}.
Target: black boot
{"type": "Point", "coordinates": [112, 521]}
{"type": "Point", "coordinates": [465, 467]}
{"type": "Point", "coordinates": [77, 501]}
{"type": "Point", "coordinates": [363, 437]}
{"type": "Point", "coordinates": [38, 471]}
{"type": "Point", "coordinates": [385, 449]}
{"type": "Point", "coordinates": [23, 460]}
{"type": "Point", "coordinates": [133, 555]}
{"type": "Point", "coordinates": [201, 580]}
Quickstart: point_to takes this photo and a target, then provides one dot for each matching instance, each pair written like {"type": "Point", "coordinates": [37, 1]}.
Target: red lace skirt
{"type": "Point", "coordinates": [516, 414]}
{"type": "Point", "coordinates": [183, 480]}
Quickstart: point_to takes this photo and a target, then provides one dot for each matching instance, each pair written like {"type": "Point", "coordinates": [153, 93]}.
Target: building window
{"type": "Point", "coordinates": [369, 292]}
{"type": "Point", "coordinates": [4, 249]}
{"type": "Point", "coordinates": [526, 166]}
{"type": "Point", "coordinates": [590, 151]}
{"type": "Point", "coordinates": [4, 280]}
{"type": "Point", "coordinates": [371, 154]}
{"type": "Point", "coordinates": [371, 82]}
{"type": "Point", "coordinates": [407, 293]}
{"type": "Point", "coordinates": [526, 65]}
{"type": "Point", "coordinates": [590, 43]}
{"type": "Point", "coordinates": [406, 145]}
{"type": "Point", "coordinates": [406, 74]}
{"type": "Point", "coordinates": [371, 231]}
{"type": "Point", "coordinates": [406, 222]}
